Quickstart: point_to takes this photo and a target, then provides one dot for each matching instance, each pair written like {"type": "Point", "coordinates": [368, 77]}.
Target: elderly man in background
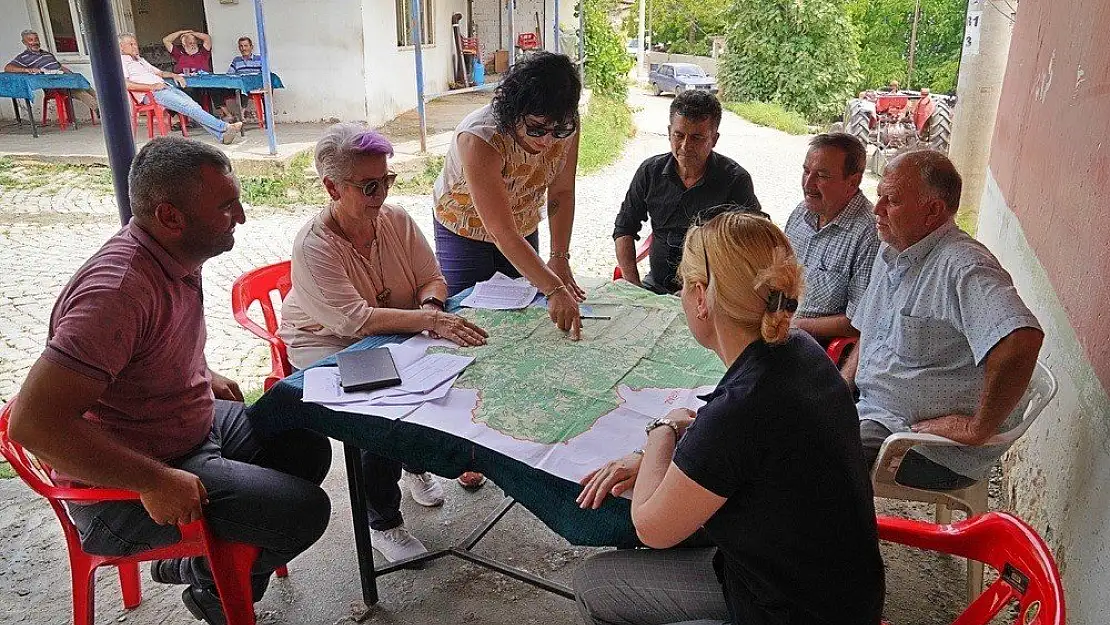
{"type": "Point", "coordinates": [246, 63]}
{"type": "Point", "coordinates": [35, 60]}
{"type": "Point", "coordinates": [833, 235]}
{"type": "Point", "coordinates": [122, 396]}
{"type": "Point", "coordinates": [141, 76]}
{"type": "Point", "coordinates": [691, 183]}
{"type": "Point", "coordinates": [947, 346]}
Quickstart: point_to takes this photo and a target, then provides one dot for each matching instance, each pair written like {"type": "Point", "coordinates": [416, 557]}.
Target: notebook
{"type": "Point", "coordinates": [367, 369]}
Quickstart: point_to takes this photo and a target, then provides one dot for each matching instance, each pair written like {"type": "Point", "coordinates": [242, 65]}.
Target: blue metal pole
{"type": "Point", "coordinates": [111, 91]}
{"type": "Point", "coordinates": [417, 40]}
{"type": "Point", "coordinates": [267, 81]}
{"type": "Point", "coordinates": [555, 26]}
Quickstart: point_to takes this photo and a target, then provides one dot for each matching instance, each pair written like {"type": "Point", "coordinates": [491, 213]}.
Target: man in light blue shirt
{"type": "Point", "coordinates": [947, 346]}
{"type": "Point", "coordinates": [247, 62]}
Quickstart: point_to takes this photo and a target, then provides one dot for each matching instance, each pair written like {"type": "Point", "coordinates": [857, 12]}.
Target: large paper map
{"type": "Point", "coordinates": [566, 407]}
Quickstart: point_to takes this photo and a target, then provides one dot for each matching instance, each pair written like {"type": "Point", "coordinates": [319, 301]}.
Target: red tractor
{"type": "Point", "coordinates": [897, 121]}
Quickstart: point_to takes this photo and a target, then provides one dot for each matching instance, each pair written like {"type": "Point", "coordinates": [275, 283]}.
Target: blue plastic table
{"type": "Point", "coordinates": [23, 87]}
{"type": "Point", "coordinates": [243, 83]}
{"type": "Point", "coordinates": [550, 498]}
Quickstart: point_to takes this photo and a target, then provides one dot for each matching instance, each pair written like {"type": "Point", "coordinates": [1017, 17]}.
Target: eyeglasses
{"type": "Point", "coordinates": [371, 187]}
{"type": "Point", "coordinates": [561, 131]}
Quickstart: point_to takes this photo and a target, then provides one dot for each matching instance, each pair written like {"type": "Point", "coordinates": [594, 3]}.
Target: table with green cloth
{"type": "Point", "coordinates": [548, 497]}
{"type": "Point", "coordinates": [19, 86]}
{"type": "Point", "coordinates": [246, 84]}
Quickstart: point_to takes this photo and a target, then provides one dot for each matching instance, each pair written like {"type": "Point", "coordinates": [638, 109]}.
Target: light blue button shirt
{"type": "Point", "coordinates": [929, 317]}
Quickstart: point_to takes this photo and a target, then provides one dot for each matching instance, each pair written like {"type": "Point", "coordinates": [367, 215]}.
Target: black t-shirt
{"type": "Point", "coordinates": [657, 192]}
{"type": "Point", "coordinates": [797, 538]}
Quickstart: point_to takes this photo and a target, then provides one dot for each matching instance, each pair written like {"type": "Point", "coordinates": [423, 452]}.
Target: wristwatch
{"type": "Point", "coordinates": [661, 421]}
{"type": "Point", "coordinates": [435, 301]}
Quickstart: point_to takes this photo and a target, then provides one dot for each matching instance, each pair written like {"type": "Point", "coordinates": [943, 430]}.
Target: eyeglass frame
{"type": "Point", "coordinates": [387, 180]}
{"type": "Point", "coordinates": [559, 131]}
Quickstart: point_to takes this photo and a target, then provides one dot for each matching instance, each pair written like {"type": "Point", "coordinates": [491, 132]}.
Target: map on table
{"type": "Point", "coordinates": [567, 407]}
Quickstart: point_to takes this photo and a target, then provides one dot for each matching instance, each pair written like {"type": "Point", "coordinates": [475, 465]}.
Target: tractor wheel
{"type": "Point", "coordinates": [836, 127]}
{"type": "Point", "coordinates": [856, 121]}
{"type": "Point", "coordinates": [656, 90]}
{"type": "Point", "coordinates": [938, 130]}
{"type": "Point", "coordinates": [877, 162]}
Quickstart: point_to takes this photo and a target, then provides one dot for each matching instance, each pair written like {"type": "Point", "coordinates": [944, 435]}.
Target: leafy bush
{"type": "Point", "coordinates": [770, 115]}
{"type": "Point", "coordinates": [884, 28]}
{"type": "Point", "coordinates": [683, 26]}
{"type": "Point", "coordinates": [800, 54]}
{"type": "Point", "coordinates": [607, 61]}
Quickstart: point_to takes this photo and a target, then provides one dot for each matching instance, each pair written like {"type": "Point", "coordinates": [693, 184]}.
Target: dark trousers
{"type": "Point", "coordinates": [466, 262]}
{"type": "Point", "coordinates": [383, 495]}
{"type": "Point", "coordinates": [263, 492]}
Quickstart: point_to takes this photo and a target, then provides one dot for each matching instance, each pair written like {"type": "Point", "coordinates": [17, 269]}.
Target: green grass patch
{"type": "Point", "coordinates": [420, 182]}
{"type": "Point", "coordinates": [295, 184]}
{"type": "Point", "coordinates": [251, 395]}
{"type": "Point", "coordinates": [770, 115]}
{"type": "Point", "coordinates": [6, 472]}
{"type": "Point", "coordinates": [26, 175]}
{"type": "Point", "coordinates": [605, 130]}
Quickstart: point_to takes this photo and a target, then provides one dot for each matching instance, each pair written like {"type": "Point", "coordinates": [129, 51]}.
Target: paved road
{"type": "Point", "coordinates": [46, 235]}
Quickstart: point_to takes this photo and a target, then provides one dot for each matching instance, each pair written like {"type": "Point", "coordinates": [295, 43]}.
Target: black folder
{"type": "Point", "coordinates": [367, 369]}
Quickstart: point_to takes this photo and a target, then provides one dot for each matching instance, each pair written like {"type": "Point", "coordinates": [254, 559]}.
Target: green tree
{"type": "Point", "coordinates": [801, 54]}
{"type": "Point", "coordinates": [884, 28]}
{"type": "Point", "coordinates": [607, 61]}
{"type": "Point", "coordinates": [683, 26]}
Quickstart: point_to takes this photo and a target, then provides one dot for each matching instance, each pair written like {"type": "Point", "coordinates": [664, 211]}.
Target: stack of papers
{"type": "Point", "coordinates": [423, 378]}
{"type": "Point", "coordinates": [501, 293]}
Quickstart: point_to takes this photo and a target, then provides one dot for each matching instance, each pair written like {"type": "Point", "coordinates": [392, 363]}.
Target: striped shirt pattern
{"type": "Point", "coordinates": [837, 258]}
{"type": "Point", "coordinates": [240, 65]}
{"type": "Point", "coordinates": [29, 59]}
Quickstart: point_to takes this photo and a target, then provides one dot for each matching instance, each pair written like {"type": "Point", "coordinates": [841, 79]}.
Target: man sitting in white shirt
{"type": "Point", "coordinates": [142, 76]}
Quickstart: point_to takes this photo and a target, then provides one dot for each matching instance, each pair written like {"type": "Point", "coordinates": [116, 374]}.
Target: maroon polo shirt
{"type": "Point", "coordinates": [133, 317]}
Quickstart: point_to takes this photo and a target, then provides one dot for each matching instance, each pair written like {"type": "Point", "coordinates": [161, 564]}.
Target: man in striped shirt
{"type": "Point", "coordinates": [833, 235]}
{"type": "Point", "coordinates": [247, 62]}
{"type": "Point", "coordinates": [35, 60]}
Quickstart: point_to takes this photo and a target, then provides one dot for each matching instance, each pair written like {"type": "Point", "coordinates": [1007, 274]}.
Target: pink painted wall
{"type": "Point", "coordinates": [1051, 156]}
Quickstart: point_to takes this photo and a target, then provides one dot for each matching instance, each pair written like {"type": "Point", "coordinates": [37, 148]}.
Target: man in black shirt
{"type": "Point", "coordinates": [688, 185]}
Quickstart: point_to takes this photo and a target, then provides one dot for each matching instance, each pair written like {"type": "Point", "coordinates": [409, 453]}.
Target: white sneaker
{"type": "Point", "coordinates": [425, 488]}
{"type": "Point", "coordinates": [397, 543]}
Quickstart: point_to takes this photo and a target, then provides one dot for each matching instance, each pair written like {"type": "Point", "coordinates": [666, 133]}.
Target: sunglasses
{"type": "Point", "coordinates": [561, 131]}
{"type": "Point", "coordinates": [371, 187]}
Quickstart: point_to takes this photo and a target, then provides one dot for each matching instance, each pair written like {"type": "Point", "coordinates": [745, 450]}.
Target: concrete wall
{"type": "Point", "coordinates": [155, 19]}
{"type": "Point", "coordinates": [315, 46]}
{"type": "Point", "coordinates": [390, 81]}
{"type": "Point", "coordinates": [1043, 214]}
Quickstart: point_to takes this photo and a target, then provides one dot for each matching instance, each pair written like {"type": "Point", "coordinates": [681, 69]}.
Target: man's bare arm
{"type": "Point", "coordinates": [47, 420]}
{"type": "Point", "coordinates": [1007, 371]}
{"type": "Point", "coordinates": [626, 259]}
{"type": "Point", "coordinates": [831, 327]}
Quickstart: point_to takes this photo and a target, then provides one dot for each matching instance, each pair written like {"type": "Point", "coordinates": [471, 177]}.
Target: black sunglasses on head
{"type": "Point", "coordinates": [561, 131]}
{"type": "Point", "coordinates": [371, 187]}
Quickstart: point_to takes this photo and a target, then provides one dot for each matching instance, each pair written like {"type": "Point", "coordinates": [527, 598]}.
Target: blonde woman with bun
{"type": "Point", "coordinates": [770, 468]}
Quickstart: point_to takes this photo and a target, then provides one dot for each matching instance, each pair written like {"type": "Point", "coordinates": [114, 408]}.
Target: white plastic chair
{"type": "Point", "coordinates": [973, 499]}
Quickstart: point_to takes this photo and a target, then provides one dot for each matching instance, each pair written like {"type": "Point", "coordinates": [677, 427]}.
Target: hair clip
{"type": "Point", "coordinates": [777, 301]}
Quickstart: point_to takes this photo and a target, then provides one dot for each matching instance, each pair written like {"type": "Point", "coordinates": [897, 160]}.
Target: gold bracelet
{"type": "Point", "coordinates": [565, 255]}
{"type": "Point", "coordinates": [555, 290]}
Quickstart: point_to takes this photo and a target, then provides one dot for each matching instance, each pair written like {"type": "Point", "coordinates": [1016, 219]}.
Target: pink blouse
{"type": "Point", "coordinates": [336, 289]}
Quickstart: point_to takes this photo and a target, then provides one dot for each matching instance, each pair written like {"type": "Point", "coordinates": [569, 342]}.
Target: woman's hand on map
{"type": "Point", "coordinates": [561, 266]}
{"type": "Point", "coordinates": [562, 307]}
{"type": "Point", "coordinates": [614, 479]}
{"type": "Point", "coordinates": [457, 330]}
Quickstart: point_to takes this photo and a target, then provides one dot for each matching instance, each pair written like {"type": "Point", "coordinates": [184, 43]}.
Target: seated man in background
{"type": "Point", "coordinates": [122, 397]}
{"type": "Point", "coordinates": [141, 76]}
{"type": "Point", "coordinates": [947, 346]}
{"type": "Point", "coordinates": [246, 63]}
{"type": "Point", "coordinates": [833, 235]}
{"type": "Point", "coordinates": [689, 184]}
{"type": "Point", "coordinates": [35, 60]}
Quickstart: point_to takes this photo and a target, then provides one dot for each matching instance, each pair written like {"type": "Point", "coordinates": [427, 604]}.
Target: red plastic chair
{"type": "Point", "coordinates": [256, 286]}
{"type": "Point", "coordinates": [230, 562]}
{"type": "Point", "coordinates": [641, 253]}
{"type": "Point", "coordinates": [154, 113]}
{"type": "Point", "coordinates": [259, 107]}
{"type": "Point", "coordinates": [1027, 573]}
{"type": "Point", "coordinates": [836, 347]}
{"type": "Point", "coordinates": [59, 98]}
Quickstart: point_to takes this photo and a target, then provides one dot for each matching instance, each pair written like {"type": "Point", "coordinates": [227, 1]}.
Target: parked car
{"type": "Point", "coordinates": [678, 77]}
{"type": "Point", "coordinates": [631, 48]}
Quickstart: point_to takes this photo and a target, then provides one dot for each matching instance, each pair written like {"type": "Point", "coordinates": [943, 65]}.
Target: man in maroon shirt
{"type": "Point", "coordinates": [122, 397]}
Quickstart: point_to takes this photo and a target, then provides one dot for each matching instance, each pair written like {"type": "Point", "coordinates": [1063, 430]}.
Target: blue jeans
{"type": "Point", "coordinates": [178, 101]}
{"type": "Point", "coordinates": [465, 262]}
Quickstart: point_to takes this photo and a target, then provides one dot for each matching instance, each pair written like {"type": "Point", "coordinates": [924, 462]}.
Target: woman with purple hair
{"type": "Point", "coordinates": [360, 268]}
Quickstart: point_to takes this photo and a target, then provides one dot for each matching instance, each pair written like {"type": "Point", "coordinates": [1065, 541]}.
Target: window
{"type": "Point", "coordinates": [63, 35]}
{"type": "Point", "coordinates": [404, 30]}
